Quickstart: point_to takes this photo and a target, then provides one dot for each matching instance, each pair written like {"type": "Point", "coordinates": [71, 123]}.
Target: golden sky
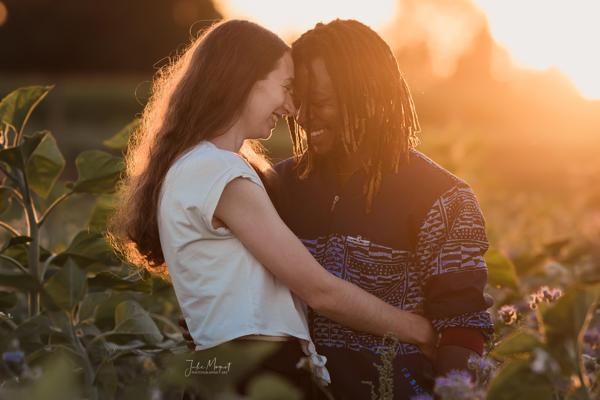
{"type": "Point", "coordinates": [538, 34]}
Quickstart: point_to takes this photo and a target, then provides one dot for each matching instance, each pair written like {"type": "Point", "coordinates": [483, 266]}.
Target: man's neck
{"type": "Point", "coordinates": [341, 168]}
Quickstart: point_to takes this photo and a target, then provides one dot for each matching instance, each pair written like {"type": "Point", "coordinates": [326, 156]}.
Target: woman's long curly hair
{"type": "Point", "coordinates": [197, 96]}
{"type": "Point", "coordinates": [378, 122]}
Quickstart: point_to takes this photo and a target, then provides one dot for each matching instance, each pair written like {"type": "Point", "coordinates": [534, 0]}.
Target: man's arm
{"type": "Point", "coordinates": [452, 257]}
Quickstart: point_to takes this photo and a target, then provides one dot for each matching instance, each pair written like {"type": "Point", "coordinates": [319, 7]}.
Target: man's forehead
{"type": "Point", "coordinates": [319, 76]}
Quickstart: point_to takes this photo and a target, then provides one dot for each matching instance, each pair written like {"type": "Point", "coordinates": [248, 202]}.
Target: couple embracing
{"type": "Point", "coordinates": [359, 235]}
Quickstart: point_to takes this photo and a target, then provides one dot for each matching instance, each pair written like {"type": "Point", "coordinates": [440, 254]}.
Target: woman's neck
{"type": "Point", "coordinates": [232, 140]}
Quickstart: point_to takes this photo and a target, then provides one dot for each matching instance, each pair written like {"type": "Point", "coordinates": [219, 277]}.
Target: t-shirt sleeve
{"type": "Point", "coordinates": [216, 187]}
{"type": "Point", "coordinates": [200, 183]}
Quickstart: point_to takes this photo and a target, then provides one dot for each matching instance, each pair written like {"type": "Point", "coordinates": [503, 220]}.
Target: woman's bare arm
{"type": "Point", "coordinates": [247, 211]}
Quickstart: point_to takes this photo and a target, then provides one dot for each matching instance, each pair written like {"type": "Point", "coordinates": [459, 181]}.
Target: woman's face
{"type": "Point", "coordinates": [269, 99]}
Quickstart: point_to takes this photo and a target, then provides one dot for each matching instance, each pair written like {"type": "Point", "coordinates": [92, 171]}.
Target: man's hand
{"type": "Point", "coordinates": [186, 334]}
{"type": "Point", "coordinates": [449, 358]}
{"type": "Point", "coordinates": [430, 348]}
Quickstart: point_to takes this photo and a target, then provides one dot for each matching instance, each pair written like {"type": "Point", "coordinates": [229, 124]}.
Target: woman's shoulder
{"type": "Point", "coordinates": [207, 159]}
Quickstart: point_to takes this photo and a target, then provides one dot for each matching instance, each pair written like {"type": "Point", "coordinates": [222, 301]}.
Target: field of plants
{"type": "Point", "coordinates": [77, 322]}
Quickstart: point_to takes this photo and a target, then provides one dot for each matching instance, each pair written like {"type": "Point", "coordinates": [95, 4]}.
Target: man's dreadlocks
{"type": "Point", "coordinates": [376, 108]}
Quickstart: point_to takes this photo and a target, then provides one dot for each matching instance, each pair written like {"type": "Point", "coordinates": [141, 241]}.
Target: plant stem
{"type": "Point", "coordinates": [14, 262]}
{"type": "Point", "coordinates": [9, 228]}
{"type": "Point", "coordinates": [56, 202]}
{"type": "Point", "coordinates": [88, 368]}
{"type": "Point", "coordinates": [33, 250]}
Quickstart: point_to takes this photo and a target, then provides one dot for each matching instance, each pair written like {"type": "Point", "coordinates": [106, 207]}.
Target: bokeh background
{"type": "Point", "coordinates": [508, 93]}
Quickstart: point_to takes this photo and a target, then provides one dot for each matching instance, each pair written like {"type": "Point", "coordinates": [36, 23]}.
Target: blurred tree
{"type": "Point", "coordinates": [85, 36]}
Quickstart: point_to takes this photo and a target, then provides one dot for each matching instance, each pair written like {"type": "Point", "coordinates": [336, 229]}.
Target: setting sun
{"type": "Point", "coordinates": [295, 17]}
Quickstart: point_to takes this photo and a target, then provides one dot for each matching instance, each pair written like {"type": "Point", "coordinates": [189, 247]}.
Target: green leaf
{"type": "Point", "coordinates": [18, 105]}
{"type": "Point", "coordinates": [89, 305]}
{"type": "Point", "coordinates": [16, 279]}
{"type": "Point", "coordinates": [88, 248]}
{"type": "Point", "coordinates": [564, 323]}
{"type": "Point", "coordinates": [120, 140]}
{"type": "Point", "coordinates": [132, 319]}
{"type": "Point", "coordinates": [17, 249]}
{"type": "Point", "coordinates": [58, 381]}
{"type": "Point", "coordinates": [17, 157]}
{"type": "Point", "coordinates": [269, 386]}
{"type": "Point", "coordinates": [517, 381]}
{"type": "Point", "coordinates": [7, 300]}
{"type": "Point", "coordinates": [105, 206]}
{"type": "Point", "coordinates": [67, 287]}
{"type": "Point", "coordinates": [501, 271]}
{"type": "Point", "coordinates": [16, 240]}
{"type": "Point", "coordinates": [45, 166]}
{"type": "Point", "coordinates": [98, 171]}
{"type": "Point", "coordinates": [109, 280]}
{"type": "Point", "coordinates": [32, 333]}
{"type": "Point", "coordinates": [107, 380]}
{"type": "Point", "coordinates": [517, 342]}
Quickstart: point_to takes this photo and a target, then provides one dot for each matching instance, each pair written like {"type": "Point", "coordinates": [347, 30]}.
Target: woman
{"type": "Point", "coordinates": [193, 201]}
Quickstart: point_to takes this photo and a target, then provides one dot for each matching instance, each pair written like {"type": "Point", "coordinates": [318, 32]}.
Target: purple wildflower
{"type": "Point", "coordinates": [534, 299]}
{"type": "Point", "coordinates": [13, 357]}
{"type": "Point", "coordinates": [422, 397]}
{"type": "Point", "coordinates": [457, 385]}
{"type": "Point", "coordinates": [549, 295]}
{"type": "Point", "coordinates": [508, 314]}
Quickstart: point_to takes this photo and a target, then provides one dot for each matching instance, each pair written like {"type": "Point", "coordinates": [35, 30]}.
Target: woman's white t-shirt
{"type": "Point", "coordinates": [223, 291]}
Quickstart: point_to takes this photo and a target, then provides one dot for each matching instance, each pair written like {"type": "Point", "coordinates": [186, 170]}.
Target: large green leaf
{"type": "Point", "coordinates": [98, 172]}
{"type": "Point", "coordinates": [110, 280]}
{"type": "Point", "coordinates": [565, 321]}
{"type": "Point", "coordinates": [517, 381]}
{"type": "Point", "coordinates": [518, 342]}
{"type": "Point", "coordinates": [45, 166]}
{"type": "Point", "coordinates": [107, 380]}
{"type": "Point", "coordinates": [120, 140]}
{"type": "Point", "coordinates": [7, 300]}
{"type": "Point", "coordinates": [18, 105]}
{"type": "Point", "coordinates": [88, 248]}
{"type": "Point", "coordinates": [501, 271]}
{"type": "Point", "coordinates": [89, 305]}
{"type": "Point", "coordinates": [17, 157]}
{"type": "Point", "coordinates": [67, 287]}
{"type": "Point", "coordinates": [269, 386]}
{"type": "Point", "coordinates": [132, 319]}
{"type": "Point", "coordinates": [18, 280]}
{"type": "Point", "coordinates": [57, 382]}
{"type": "Point", "coordinates": [32, 333]}
{"type": "Point", "coordinates": [105, 206]}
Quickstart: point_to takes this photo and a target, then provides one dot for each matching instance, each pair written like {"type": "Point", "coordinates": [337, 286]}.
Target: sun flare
{"type": "Point", "coordinates": [544, 34]}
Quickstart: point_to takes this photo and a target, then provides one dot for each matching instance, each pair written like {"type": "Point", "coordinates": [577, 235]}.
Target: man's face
{"type": "Point", "coordinates": [317, 108]}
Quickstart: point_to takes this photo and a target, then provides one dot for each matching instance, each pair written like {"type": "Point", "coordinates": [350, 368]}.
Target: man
{"type": "Point", "coordinates": [376, 212]}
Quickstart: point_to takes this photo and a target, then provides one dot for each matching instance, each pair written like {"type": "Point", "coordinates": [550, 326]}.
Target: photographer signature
{"type": "Point", "coordinates": [210, 368]}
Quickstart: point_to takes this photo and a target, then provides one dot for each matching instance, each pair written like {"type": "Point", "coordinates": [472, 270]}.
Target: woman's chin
{"type": "Point", "coordinates": [267, 135]}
